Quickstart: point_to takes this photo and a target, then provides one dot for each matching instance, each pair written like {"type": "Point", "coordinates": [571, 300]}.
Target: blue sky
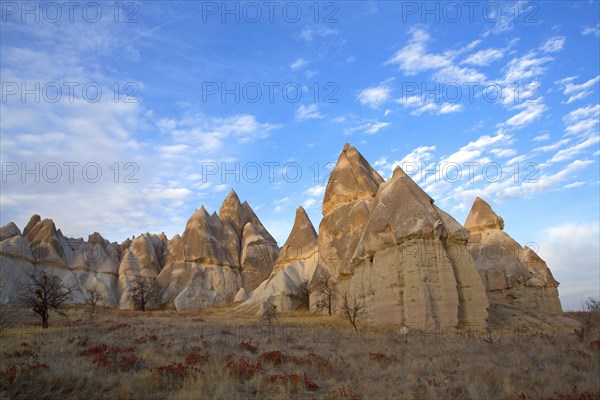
{"type": "Point", "coordinates": [201, 97]}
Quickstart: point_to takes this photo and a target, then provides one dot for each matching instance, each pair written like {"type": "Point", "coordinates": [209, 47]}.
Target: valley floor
{"type": "Point", "coordinates": [218, 353]}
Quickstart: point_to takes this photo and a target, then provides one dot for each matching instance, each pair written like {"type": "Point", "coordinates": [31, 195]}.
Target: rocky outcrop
{"type": "Point", "coordinates": [412, 265]}
{"type": "Point", "coordinates": [301, 242]}
{"type": "Point", "coordinates": [513, 275]}
{"type": "Point", "coordinates": [293, 270]}
{"type": "Point", "coordinates": [8, 231]}
{"type": "Point", "coordinates": [83, 265]}
{"type": "Point", "coordinates": [352, 179]}
{"type": "Point", "coordinates": [346, 206]}
{"type": "Point", "coordinates": [388, 245]}
{"type": "Point", "coordinates": [216, 256]}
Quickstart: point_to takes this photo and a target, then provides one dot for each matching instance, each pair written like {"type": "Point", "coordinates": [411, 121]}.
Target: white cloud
{"type": "Point", "coordinates": [370, 127]}
{"type": "Point", "coordinates": [310, 203]}
{"type": "Point", "coordinates": [474, 149]}
{"type": "Point", "coordinates": [554, 44]}
{"type": "Point", "coordinates": [419, 105]}
{"type": "Point", "coordinates": [532, 111]}
{"type": "Point", "coordinates": [305, 112]}
{"type": "Point", "coordinates": [309, 33]}
{"type": "Point", "coordinates": [552, 146]}
{"type": "Point", "coordinates": [207, 135]}
{"type": "Point", "coordinates": [574, 185]}
{"type": "Point", "coordinates": [542, 138]}
{"type": "Point", "coordinates": [174, 194]}
{"type": "Point", "coordinates": [454, 74]}
{"type": "Point", "coordinates": [374, 96]}
{"type": "Point", "coordinates": [376, 127]}
{"type": "Point", "coordinates": [572, 245]}
{"type": "Point", "coordinates": [299, 63]}
{"type": "Point", "coordinates": [525, 67]}
{"type": "Point", "coordinates": [483, 57]}
{"type": "Point", "coordinates": [316, 191]}
{"type": "Point", "coordinates": [447, 108]}
{"type": "Point", "coordinates": [571, 152]}
{"type": "Point", "coordinates": [578, 92]}
{"type": "Point", "coordinates": [173, 150]}
{"type": "Point", "coordinates": [591, 30]}
{"type": "Point", "coordinates": [583, 121]}
{"type": "Point", "coordinates": [503, 152]}
{"type": "Point", "coordinates": [414, 58]}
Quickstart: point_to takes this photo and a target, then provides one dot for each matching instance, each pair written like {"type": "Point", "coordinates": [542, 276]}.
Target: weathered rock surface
{"type": "Point", "coordinates": [352, 179]}
{"type": "Point", "coordinates": [301, 242]}
{"type": "Point", "coordinates": [218, 255]}
{"type": "Point", "coordinates": [83, 265]}
{"type": "Point", "coordinates": [412, 263]}
{"type": "Point", "coordinates": [140, 260]}
{"type": "Point", "coordinates": [190, 285]}
{"type": "Point", "coordinates": [513, 275]}
{"type": "Point", "coordinates": [8, 231]}
{"type": "Point", "coordinates": [295, 267]}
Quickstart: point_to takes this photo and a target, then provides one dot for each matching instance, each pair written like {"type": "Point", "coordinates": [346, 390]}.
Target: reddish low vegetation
{"type": "Point", "coordinates": [242, 368]}
{"type": "Point", "coordinates": [293, 379]}
{"type": "Point", "coordinates": [248, 346]}
{"type": "Point", "coordinates": [111, 357]}
{"type": "Point", "coordinates": [380, 357]}
{"type": "Point", "coordinates": [273, 357]}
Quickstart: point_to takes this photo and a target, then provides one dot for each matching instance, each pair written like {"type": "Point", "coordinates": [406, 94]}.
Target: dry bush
{"type": "Point", "coordinates": [43, 292]}
{"type": "Point", "coordinates": [177, 359]}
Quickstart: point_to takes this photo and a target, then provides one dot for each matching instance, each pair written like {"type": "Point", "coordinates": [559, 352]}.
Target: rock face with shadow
{"type": "Point", "coordinates": [293, 270]}
{"type": "Point", "coordinates": [384, 243]}
{"type": "Point", "coordinates": [387, 245]}
{"type": "Point", "coordinates": [214, 258]}
{"type": "Point", "coordinates": [513, 275]}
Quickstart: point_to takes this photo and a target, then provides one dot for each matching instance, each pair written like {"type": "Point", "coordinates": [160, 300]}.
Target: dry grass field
{"type": "Point", "coordinates": [220, 354]}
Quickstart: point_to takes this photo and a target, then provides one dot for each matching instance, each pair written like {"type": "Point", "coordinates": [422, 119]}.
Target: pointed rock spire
{"type": "Point", "coordinates": [301, 242]}
{"type": "Point", "coordinates": [231, 211]}
{"type": "Point", "coordinates": [33, 221]}
{"type": "Point", "coordinates": [482, 217]}
{"type": "Point", "coordinates": [9, 230]}
{"type": "Point", "coordinates": [251, 217]}
{"type": "Point", "coordinates": [352, 179]}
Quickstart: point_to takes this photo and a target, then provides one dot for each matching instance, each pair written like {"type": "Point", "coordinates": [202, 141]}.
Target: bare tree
{"type": "Point", "coordinates": [143, 292]}
{"type": "Point", "coordinates": [43, 292]}
{"type": "Point", "coordinates": [93, 299]}
{"type": "Point", "coordinates": [590, 318]}
{"type": "Point", "coordinates": [269, 313]}
{"type": "Point", "coordinates": [5, 313]}
{"type": "Point", "coordinates": [269, 316]}
{"type": "Point", "coordinates": [304, 294]}
{"type": "Point", "coordinates": [353, 309]}
{"type": "Point", "coordinates": [326, 287]}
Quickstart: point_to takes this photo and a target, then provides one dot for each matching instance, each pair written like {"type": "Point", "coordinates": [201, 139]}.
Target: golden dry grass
{"type": "Point", "coordinates": [219, 354]}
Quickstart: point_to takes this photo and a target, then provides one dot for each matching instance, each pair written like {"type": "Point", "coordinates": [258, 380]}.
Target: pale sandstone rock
{"type": "Point", "coordinates": [257, 258]}
{"type": "Point", "coordinates": [404, 269]}
{"type": "Point", "coordinates": [300, 243]}
{"type": "Point", "coordinates": [339, 234]}
{"type": "Point", "coordinates": [139, 260]}
{"type": "Point", "coordinates": [8, 231]}
{"type": "Point", "coordinates": [17, 247]}
{"type": "Point", "coordinates": [352, 179]}
{"type": "Point", "coordinates": [241, 295]}
{"type": "Point", "coordinates": [46, 243]}
{"type": "Point", "coordinates": [512, 275]}
{"type": "Point", "coordinates": [482, 217]}
{"type": "Point", "coordinates": [189, 285]}
{"type": "Point", "coordinates": [33, 221]}
{"type": "Point", "coordinates": [295, 266]}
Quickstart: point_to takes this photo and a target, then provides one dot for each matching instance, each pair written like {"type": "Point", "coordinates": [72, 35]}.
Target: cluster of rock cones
{"type": "Point", "coordinates": [384, 242]}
